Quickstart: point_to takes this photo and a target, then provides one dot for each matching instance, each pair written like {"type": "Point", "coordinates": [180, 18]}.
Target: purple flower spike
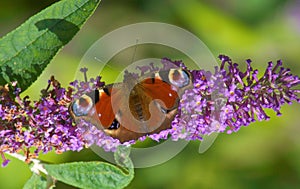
{"type": "Point", "coordinates": [222, 101]}
{"type": "Point", "coordinates": [39, 126]}
{"type": "Point", "coordinates": [242, 98]}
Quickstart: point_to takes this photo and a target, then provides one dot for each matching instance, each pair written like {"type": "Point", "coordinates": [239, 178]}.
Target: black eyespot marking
{"type": "Point", "coordinates": [153, 78]}
{"type": "Point", "coordinates": [115, 125]}
{"type": "Point", "coordinates": [186, 73]}
{"type": "Point", "coordinates": [106, 91]}
{"type": "Point", "coordinates": [97, 98]}
{"type": "Point", "coordinates": [94, 95]}
{"type": "Point", "coordinates": [164, 76]}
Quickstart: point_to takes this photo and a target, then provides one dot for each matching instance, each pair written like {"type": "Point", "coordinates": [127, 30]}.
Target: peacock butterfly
{"type": "Point", "coordinates": [136, 107]}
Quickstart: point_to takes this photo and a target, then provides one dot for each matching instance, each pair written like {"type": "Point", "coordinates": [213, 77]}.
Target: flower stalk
{"type": "Point", "coordinates": [36, 167]}
{"type": "Point", "coordinates": [222, 101]}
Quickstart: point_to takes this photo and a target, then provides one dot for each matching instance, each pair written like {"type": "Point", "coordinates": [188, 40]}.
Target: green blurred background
{"type": "Point", "coordinates": [264, 155]}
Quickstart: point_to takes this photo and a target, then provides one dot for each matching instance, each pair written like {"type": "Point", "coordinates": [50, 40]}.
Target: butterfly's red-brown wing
{"type": "Point", "coordinates": [153, 103]}
{"type": "Point", "coordinates": [149, 107]}
{"type": "Point", "coordinates": [104, 106]}
{"type": "Point", "coordinates": [160, 90]}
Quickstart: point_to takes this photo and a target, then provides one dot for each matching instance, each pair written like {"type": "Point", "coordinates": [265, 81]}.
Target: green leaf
{"type": "Point", "coordinates": [26, 51]}
{"type": "Point", "coordinates": [95, 175]}
{"type": "Point", "coordinates": [36, 182]}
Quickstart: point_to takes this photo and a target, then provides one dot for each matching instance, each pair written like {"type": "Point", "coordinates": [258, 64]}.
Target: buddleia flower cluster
{"type": "Point", "coordinates": [222, 101]}
{"type": "Point", "coordinates": [230, 98]}
{"type": "Point", "coordinates": [37, 127]}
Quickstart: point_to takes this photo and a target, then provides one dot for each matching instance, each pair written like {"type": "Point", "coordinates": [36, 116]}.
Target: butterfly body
{"type": "Point", "coordinates": [136, 107]}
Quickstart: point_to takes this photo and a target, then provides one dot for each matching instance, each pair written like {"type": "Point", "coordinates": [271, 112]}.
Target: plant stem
{"type": "Point", "coordinates": [37, 167]}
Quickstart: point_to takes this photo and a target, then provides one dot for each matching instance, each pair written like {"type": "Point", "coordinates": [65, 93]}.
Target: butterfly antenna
{"type": "Point", "coordinates": [99, 60]}
{"type": "Point", "coordinates": [133, 56]}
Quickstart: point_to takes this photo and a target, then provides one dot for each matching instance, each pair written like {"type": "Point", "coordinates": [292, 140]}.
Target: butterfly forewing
{"type": "Point", "coordinates": [160, 90]}
{"type": "Point", "coordinates": [104, 106]}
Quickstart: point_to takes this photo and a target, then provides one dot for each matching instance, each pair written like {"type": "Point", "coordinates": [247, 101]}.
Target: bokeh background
{"type": "Point", "coordinates": [263, 155]}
